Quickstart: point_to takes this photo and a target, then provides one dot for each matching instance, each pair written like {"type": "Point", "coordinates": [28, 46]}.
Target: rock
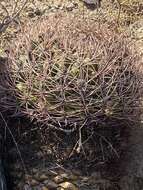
{"type": "Point", "coordinates": [34, 182]}
{"type": "Point", "coordinates": [92, 4]}
{"type": "Point", "coordinates": [43, 177]}
{"type": "Point", "coordinates": [36, 176]}
{"type": "Point", "coordinates": [46, 181]}
{"type": "Point", "coordinates": [51, 185]}
{"type": "Point", "coordinates": [34, 170]}
{"type": "Point", "coordinates": [53, 9]}
{"type": "Point", "coordinates": [44, 188]}
{"type": "Point", "coordinates": [70, 6]}
{"type": "Point", "coordinates": [85, 179]}
{"type": "Point", "coordinates": [67, 186]}
{"type": "Point", "coordinates": [58, 179]}
{"type": "Point", "coordinates": [64, 177]}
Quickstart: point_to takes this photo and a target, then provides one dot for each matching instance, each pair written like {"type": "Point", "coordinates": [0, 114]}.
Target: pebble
{"type": "Point", "coordinates": [44, 188]}
{"type": "Point", "coordinates": [51, 185]}
{"type": "Point", "coordinates": [34, 170]}
{"type": "Point", "coordinates": [58, 179]}
{"type": "Point", "coordinates": [85, 179]}
{"type": "Point", "coordinates": [67, 186]}
{"type": "Point", "coordinates": [36, 176]}
{"type": "Point", "coordinates": [46, 182]}
{"type": "Point", "coordinates": [70, 6]}
{"type": "Point", "coordinates": [34, 182]}
{"type": "Point", "coordinates": [43, 177]}
{"type": "Point", "coordinates": [63, 177]}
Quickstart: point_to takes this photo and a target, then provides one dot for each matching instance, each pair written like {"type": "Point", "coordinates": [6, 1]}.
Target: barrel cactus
{"type": "Point", "coordinates": [77, 78]}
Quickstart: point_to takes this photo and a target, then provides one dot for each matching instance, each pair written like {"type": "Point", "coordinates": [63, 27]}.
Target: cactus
{"type": "Point", "coordinates": [77, 78]}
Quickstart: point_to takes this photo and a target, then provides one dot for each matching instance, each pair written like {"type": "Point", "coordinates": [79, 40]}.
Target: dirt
{"type": "Point", "coordinates": [125, 173]}
{"type": "Point", "coordinates": [132, 178]}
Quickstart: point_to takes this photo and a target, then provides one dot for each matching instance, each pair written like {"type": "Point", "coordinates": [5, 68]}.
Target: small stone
{"type": "Point", "coordinates": [56, 6]}
{"type": "Point", "coordinates": [46, 181]}
{"type": "Point", "coordinates": [67, 186]}
{"type": "Point", "coordinates": [70, 6]}
{"type": "Point", "coordinates": [58, 179]}
{"type": "Point", "coordinates": [53, 9]}
{"type": "Point", "coordinates": [36, 176]}
{"type": "Point", "coordinates": [34, 182]}
{"type": "Point", "coordinates": [34, 170]}
{"type": "Point", "coordinates": [51, 185]}
{"type": "Point", "coordinates": [85, 179]}
{"type": "Point", "coordinates": [64, 177]}
{"type": "Point", "coordinates": [44, 188]}
{"type": "Point", "coordinates": [43, 177]}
